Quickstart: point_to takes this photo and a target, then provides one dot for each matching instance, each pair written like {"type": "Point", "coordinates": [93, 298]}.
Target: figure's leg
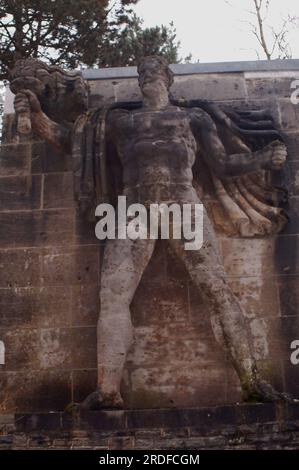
{"type": "Point", "coordinates": [123, 265]}
{"type": "Point", "coordinates": [206, 270]}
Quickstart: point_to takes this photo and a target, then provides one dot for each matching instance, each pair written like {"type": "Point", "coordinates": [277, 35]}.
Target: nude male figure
{"type": "Point", "coordinates": [157, 146]}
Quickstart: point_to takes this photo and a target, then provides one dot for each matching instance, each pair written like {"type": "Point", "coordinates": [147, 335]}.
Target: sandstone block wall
{"type": "Point", "coordinates": [241, 427]}
{"type": "Point", "coordinates": [50, 275]}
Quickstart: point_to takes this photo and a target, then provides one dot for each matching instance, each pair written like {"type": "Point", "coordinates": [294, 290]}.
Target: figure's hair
{"type": "Point", "coordinates": [162, 64]}
{"type": "Point", "coordinates": [62, 94]}
{"type": "Point", "coordinates": [34, 65]}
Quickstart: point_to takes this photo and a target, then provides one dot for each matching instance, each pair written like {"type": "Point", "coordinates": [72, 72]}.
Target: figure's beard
{"type": "Point", "coordinates": [154, 92]}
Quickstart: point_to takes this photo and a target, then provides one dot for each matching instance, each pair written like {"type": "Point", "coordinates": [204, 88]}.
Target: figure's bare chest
{"type": "Point", "coordinates": [154, 124]}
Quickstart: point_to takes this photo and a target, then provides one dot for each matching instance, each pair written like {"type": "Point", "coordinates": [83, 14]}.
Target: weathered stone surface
{"type": "Point", "coordinates": [58, 191]}
{"type": "Point", "coordinates": [38, 306]}
{"type": "Point", "coordinates": [45, 159]}
{"type": "Point", "coordinates": [294, 170]}
{"type": "Point", "coordinates": [291, 377]}
{"type": "Point", "coordinates": [292, 141]}
{"type": "Point", "coordinates": [272, 84]}
{"type": "Point", "coordinates": [238, 259]}
{"type": "Point", "coordinates": [21, 351]}
{"type": "Point", "coordinates": [289, 114]}
{"type": "Point", "coordinates": [293, 212]}
{"type": "Point", "coordinates": [85, 304]}
{"type": "Point", "coordinates": [167, 386]}
{"type": "Point", "coordinates": [127, 90]}
{"type": "Point", "coordinates": [289, 295]}
{"type": "Point", "coordinates": [210, 87]}
{"type": "Point", "coordinates": [36, 228]}
{"type": "Point", "coordinates": [15, 159]}
{"type": "Point", "coordinates": [20, 193]}
{"type": "Point", "coordinates": [84, 383]}
{"type": "Point", "coordinates": [39, 349]}
{"type": "Point", "coordinates": [230, 427]}
{"type": "Point", "coordinates": [165, 302]}
{"type": "Point", "coordinates": [70, 266]}
{"type": "Point", "coordinates": [258, 296]}
{"type": "Point", "coordinates": [171, 266]}
{"type": "Point", "coordinates": [20, 268]}
{"type": "Point", "coordinates": [101, 92]}
{"type": "Point", "coordinates": [162, 346]}
{"type": "Point", "coordinates": [85, 231]}
{"type": "Point", "coordinates": [39, 390]}
{"type": "Point", "coordinates": [67, 348]}
{"type": "Point", "coordinates": [286, 255]}
{"type": "Point", "coordinates": [103, 420]}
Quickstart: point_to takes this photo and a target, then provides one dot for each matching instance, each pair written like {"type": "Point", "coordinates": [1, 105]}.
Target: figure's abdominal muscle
{"type": "Point", "coordinates": [160, 172]}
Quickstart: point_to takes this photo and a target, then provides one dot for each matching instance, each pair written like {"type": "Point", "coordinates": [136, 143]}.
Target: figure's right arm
{"type": "Point", "coordinates": [27, 105]}
{"type": "Point", "coordinates": [271, 157]}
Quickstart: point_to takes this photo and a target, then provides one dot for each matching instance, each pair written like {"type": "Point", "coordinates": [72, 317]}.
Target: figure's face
{"type": "Point", "coordinates": [152, 79]}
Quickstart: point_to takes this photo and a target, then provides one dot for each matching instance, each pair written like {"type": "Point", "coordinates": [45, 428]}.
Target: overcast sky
{"type": "Point", "coordinates": [217, 30]}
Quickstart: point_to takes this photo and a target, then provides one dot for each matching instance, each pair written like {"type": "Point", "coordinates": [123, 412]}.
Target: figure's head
{"type": "Point", "coordinates": [155, 76]}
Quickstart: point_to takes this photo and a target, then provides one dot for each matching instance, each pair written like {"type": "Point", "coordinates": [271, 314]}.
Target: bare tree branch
{"type": "Point", "coordinates": [258, 8]}
{"type": "Point", "coordinates": [278, 43]}
{"type": "Point", "coordinates": [6, 28]}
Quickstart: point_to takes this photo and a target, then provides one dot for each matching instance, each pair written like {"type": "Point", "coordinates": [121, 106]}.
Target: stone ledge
{"type": "Point", "coordinates": [258, 426]}
{"type": "Point", "coordinates": [110, 420]}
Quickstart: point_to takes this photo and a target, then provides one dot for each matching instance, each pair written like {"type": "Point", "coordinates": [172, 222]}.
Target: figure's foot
{"type": "Point", "coordinates": [99, 401]}
{"type": "Point", "coordinates": [262, 391]}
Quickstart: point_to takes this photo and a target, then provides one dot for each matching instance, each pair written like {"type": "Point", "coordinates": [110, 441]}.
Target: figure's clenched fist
{"type": "Point", "coordinates": [25, 104]}
{"type": "Point", "coordinates": [26, 101]}
{"type": "Point", "coordinates": [278, 154]}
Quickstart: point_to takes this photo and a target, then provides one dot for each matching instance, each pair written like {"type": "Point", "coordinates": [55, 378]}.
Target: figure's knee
{"type": "Point", "coordinates": [114, 313]}
{"type": "Point", "coordinates": [216, 291]}
{"type": "Point", "coordinates": [114, 299]}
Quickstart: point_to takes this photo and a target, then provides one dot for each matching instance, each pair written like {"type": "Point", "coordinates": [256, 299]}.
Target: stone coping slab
{"type": "Point", "coordinates": [198, 68]}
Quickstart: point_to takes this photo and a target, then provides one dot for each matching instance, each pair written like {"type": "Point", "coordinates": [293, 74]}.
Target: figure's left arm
{"type": "Point", "coordinates": [224, 165]}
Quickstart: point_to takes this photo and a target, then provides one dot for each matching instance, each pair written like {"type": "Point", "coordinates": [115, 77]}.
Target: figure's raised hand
{"type": "Point", "coordinates": [278, 154]}
{"type": "Point", "coordinates": [26, 101]}
{"type": "Point", "coordinates": [25, 104]}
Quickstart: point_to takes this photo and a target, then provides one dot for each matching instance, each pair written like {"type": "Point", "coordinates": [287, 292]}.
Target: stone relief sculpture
{"type": "Point", "coordinates": [156, 151]}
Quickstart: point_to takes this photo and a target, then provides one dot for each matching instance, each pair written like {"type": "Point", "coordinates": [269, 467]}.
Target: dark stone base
{"type": "Point", "coordinates": [258, 426]}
